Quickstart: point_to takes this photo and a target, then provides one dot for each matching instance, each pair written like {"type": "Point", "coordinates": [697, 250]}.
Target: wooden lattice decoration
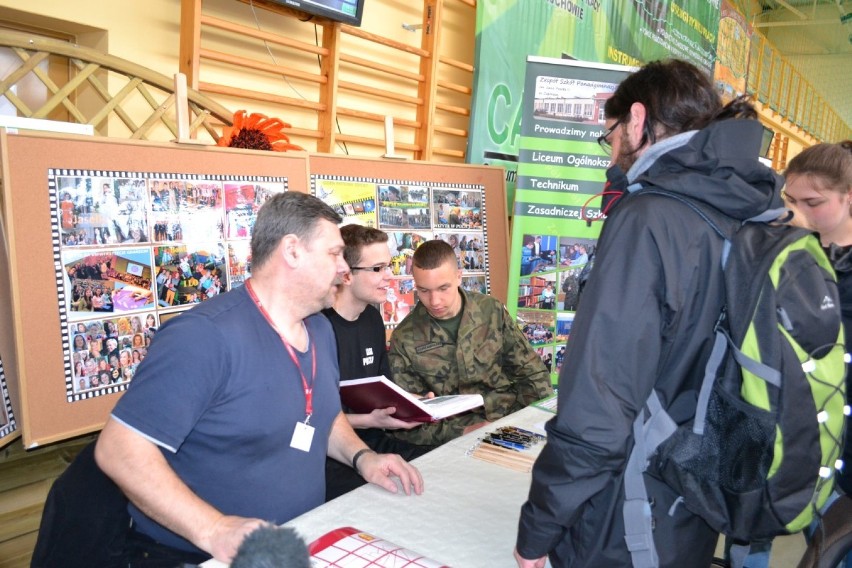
{"type": "Point", "coordinates": [117, 97]}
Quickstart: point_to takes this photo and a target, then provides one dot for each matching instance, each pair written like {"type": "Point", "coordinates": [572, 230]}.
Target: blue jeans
{"type": "Point", "coordinates": [749, 554]}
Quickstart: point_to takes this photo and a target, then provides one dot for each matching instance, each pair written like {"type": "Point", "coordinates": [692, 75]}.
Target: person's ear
{"type": "Point", "coordinates": [636, 126]}
{"type": "Point", "coordinates": [290, 250]}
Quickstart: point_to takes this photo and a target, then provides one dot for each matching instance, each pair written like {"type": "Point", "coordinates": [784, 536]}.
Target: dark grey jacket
{"type": "Point", "coordinates": [645, 322]}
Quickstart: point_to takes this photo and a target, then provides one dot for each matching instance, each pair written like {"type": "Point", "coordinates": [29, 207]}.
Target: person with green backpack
{"type": "Point", "coordinates": [661, 334]}
{"type": "Point", "coordinates": [819, 191]}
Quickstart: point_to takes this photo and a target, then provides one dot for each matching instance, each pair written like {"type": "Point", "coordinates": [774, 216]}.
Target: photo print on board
{"type": "Point", "coordinates": [355, 201]}
{"type": "Point", "coordinates": [475, 283]}
{"type": "Point", "coordinates": [106, 352]}
{"type": "Point", "coordinates": [537, 326]}
{"type": "Point", "coordinates": [96, 210]}
{"type": "Point", "coordinates": [7, 416]}
{"type": "Point", "coordinates": [546, 356]}
{"type": "Point", "coordinates": [564, 322]}
{"type": "Point", "coordinates": [556, 98]}
{"type": "Point", "coordinates": [546, 291]}
{"type": "Point", "coordinates": [469, 248]}
{"type": "Point", "coordinates": [399, 302]}
{"type": "Point", "coordinates": [239, 263]}
{"type": "Point", "coordinates": [189, 274]}
{"type": "Point", "coordinates": [457, 208]}
{"type": "Point", "coordinates": [537, 292]}
{"type": "Point", "coordinates": [242, 202]}
{"type": "Point", "coordinates": [186, 210]}
{"type": "Point", "coordinates": [402, 245]}
{"type": "Point", "coordinates": [538, 253]}
{"type": "Point", "coordinates": [404, 207]}
{"type": "Point", "coordinates": [167, 197]}
{"type": "Point", "coordinates": [558, 357]}
{"type": "Point", "coordinates": [569, 288]}
{"type": "Point", "coordinates": [107, 280]}
{"type": "Point", "coordinates": [576, 252]}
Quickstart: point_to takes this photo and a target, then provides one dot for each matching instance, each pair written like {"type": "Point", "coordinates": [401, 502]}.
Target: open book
{"type": "Point", "coordinates": [349, 547]}
{"type": "Point", "coordinates": [365, 395]}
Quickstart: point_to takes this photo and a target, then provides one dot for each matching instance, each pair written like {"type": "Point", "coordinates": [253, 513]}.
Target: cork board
{"type": "Point", "coordinates": [46, 242]}
{"type": "Point", "coordinates": [336, 173]}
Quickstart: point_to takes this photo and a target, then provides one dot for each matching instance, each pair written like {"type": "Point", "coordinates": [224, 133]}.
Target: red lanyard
{"type": "Point", "coordinates": [309, 387]}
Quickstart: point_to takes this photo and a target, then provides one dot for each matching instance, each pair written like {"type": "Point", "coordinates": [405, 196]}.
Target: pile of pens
{"type": "Point", "coordinates": [510, 447]}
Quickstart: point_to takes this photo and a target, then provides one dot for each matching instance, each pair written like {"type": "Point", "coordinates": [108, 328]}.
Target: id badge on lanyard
{"type": "Point", "coordinates": [303, 433]}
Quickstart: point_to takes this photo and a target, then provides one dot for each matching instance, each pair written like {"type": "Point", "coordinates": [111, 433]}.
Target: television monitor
{"type": "Point", "coordinates": [766, 141]}
{"type": "Point", "coordinates": [345, 11]}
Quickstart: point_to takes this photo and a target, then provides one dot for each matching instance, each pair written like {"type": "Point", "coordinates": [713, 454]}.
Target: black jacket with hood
{"type": "Point", "coordinates": [645, 322]}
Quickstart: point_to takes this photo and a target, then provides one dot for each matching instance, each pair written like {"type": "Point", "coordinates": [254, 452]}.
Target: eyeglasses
{"type": "Point", "coordinates": [376, 268]}
{"type": "Point", "coordinates": [604, 140]}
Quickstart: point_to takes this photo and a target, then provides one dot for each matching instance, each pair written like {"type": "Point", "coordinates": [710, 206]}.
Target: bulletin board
{"type": "Point", "coordinates": [331, 174]}
{"type": "Point", "coordinates": [48, 245]}
{"type": "Point", "coordinates": [119, 218]}
{"type": "Point", "coordinates": [9, 430]}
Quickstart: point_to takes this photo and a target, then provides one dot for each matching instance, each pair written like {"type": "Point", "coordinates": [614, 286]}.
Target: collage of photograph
{"type": "Point", "coordinates": [139, 248]}
{"type": "Point", "coordinates": [412, 214]}
{"type": "Point", "coordinates": [7, 417]}
{"type": "Point", "coordinates": [554, 269]}
{"type": "Point", "coordinates": [106, 351]}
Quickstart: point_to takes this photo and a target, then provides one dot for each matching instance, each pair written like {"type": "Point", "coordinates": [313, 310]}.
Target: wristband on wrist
{"type": "Point", "coordinates": [357, 456]}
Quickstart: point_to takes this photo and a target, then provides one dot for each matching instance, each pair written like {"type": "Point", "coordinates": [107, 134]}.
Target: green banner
{"type": "Point", "coordinates": [623, 33]}
{"type": "Point", "coordinates": [561, 172]}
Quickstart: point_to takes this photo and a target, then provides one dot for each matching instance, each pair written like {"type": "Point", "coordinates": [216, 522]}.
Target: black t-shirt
{"type": "Point", "coordinates": [361, 345]}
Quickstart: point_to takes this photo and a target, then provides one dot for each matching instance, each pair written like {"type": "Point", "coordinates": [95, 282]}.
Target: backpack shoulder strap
{"type": "Point", "coordinates": [638, 524]}
{"type": "Point", "coordinates": [700, 211]}
{"type": "Point", "coordinates": [689, 203]}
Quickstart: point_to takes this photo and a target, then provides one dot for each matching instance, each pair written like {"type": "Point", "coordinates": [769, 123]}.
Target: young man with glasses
{"type": "Point", "coordinates": [646, 320]}
{"type": "Point", "coordinates": [361, 347]}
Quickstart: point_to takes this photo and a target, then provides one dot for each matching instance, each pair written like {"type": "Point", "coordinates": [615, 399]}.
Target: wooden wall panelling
{"type": "Point", "coordinates": [437, 70]}
{"type": "Point", "coordinates": [427, 91]}
{"type": "Point", "coordinates": [362, 78]}
{"type": "Point", "coordinates": [118, 97]}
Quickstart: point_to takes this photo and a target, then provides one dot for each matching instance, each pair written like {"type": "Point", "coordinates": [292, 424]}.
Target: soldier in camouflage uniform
{"type": "Point", "coordinates": [457, 342]}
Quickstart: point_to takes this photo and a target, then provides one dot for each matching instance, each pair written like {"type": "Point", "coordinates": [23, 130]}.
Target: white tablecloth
{"type": "Point", "coordinates": [467, 517]}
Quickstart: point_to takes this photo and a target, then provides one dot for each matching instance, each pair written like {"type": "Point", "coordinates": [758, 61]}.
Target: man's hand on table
{"type": "Point", "coordinates": [380, 468]}
{"type": "Point", "coordinates": [224, 537]}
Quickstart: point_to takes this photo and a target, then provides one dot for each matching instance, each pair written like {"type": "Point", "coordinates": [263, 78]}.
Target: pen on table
{"type": "Point", "coordinates": [515, 434]}
{"type": "Point", "coordinates": [502, 443]}
{"type": "Point", "coordinates": [525, 442]}
{"type": "Point", "coordinates": [535, 435]}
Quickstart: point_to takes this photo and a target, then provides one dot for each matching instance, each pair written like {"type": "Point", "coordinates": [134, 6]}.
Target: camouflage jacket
{"type": "Point", "coordinates": [492, 358]}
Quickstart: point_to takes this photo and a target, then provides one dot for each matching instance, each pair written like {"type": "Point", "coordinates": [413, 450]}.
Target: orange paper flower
{"type": "Point", "coordinates": [257, 131]}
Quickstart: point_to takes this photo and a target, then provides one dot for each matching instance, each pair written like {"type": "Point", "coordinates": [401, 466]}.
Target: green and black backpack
{"type": "Point", "coordinates": [759, 458]}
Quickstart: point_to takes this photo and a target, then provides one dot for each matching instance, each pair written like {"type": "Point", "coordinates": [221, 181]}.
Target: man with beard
{"type": "Point", "coordinates": [646, 320]}
{"type": "Point", "coordinates": [229, 418]}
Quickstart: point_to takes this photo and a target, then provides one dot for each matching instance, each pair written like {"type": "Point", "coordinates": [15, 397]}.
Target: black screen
{"type": "Point", "coordinates": [346, 11]}
{"type": "Point", "coordinates": [766, 142]}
